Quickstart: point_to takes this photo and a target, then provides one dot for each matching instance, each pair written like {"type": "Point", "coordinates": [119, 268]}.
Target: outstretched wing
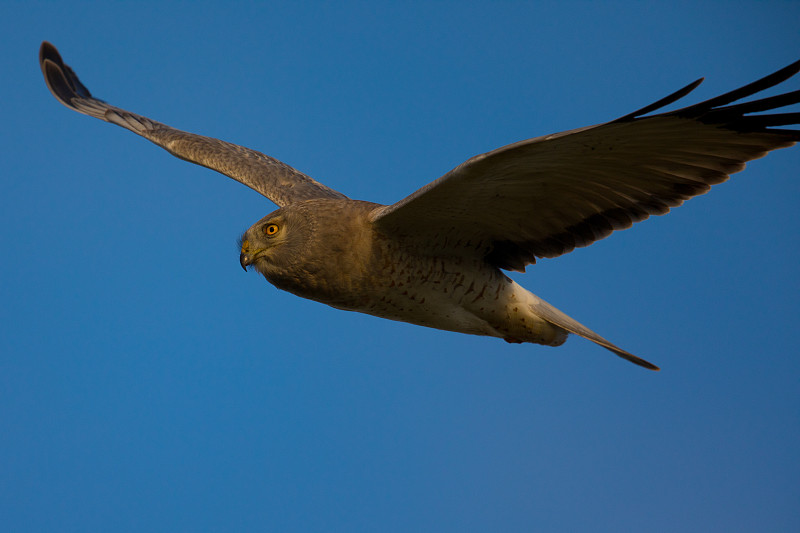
{"type": "Point", "coordinates": [546, 196]}
{"type": "Point", "coordinates": [276, 180]}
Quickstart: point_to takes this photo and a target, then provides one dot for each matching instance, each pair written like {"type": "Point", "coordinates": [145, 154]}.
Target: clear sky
{"type": "Point", "coordinates": [148, 384]}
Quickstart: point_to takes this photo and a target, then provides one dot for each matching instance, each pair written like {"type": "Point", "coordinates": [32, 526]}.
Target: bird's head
{"type": "Point", "coordinates": [274, 243]}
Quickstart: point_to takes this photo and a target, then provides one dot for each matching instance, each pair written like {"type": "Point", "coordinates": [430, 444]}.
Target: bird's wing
{"type": "Point", "coordinates": [277, 181]}
{"type": "Point", "coordinates": [546, 196]}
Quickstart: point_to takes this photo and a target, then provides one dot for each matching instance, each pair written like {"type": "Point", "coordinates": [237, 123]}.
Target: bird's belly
{"type": "Point", "coordinates": [477, 301]}
{"type": "Point", "coordinates": [430, 310]}
{"type": "Point", "coordinates": [434, 293]}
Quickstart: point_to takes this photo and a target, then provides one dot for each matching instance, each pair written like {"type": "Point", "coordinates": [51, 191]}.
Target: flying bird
{"type": "Point", "coordinates": [436, 258]}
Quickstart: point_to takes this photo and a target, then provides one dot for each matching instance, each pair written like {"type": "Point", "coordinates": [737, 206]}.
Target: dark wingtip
{"type": "Point", "coordinates": [58, 83]}
{"type": "Point", "coordinates": [750, 89]}
{"type": "Point", "coordinates": [49, 52]}
{"type": "Point", "coordinates": [60, 79]}
{"type": "Point", "coordinates": [677, 95]}
{"type": "Point", "coordinates": [651, 366]}
{"type": "Point", "coordinates": [718, 102]}
{"type": "Point", "coordinates": [53, 70]}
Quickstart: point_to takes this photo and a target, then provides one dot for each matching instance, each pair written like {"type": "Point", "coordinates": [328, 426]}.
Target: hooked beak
{"type": "Point", "coordinates": [245, 257]}
{"type": "Point", "coordinates": [245, 260]}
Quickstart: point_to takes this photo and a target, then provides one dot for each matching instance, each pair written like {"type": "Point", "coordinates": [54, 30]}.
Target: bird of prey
{"type": "Point", "coordinates": [436, 258]}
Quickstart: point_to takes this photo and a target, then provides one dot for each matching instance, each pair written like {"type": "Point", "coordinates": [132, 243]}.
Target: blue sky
{"type": "Point", "coordinates": [148, 384]}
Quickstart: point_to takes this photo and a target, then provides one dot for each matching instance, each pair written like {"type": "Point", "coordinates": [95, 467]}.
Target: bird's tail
{"type": "Point", "coordinates": [559, 319]}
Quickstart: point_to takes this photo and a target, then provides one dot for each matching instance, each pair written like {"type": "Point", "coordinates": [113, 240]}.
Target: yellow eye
{"type": "Point", "coordinates": [270, 230]}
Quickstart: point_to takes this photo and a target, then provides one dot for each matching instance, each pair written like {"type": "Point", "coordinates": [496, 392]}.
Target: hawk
{"type": "Point", "coordinates": [436, 258]}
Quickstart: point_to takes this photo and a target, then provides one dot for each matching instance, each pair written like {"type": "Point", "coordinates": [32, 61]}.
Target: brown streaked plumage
{"type": "Point", "coordinates": [436, 257]}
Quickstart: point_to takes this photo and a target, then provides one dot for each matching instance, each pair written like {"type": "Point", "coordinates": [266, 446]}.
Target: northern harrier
{"type": "Point", "coordinates": [436, 257]}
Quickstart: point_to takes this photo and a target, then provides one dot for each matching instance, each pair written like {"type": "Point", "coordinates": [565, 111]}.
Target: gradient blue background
{"type": "Point", "coordinates": [148, 384]}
